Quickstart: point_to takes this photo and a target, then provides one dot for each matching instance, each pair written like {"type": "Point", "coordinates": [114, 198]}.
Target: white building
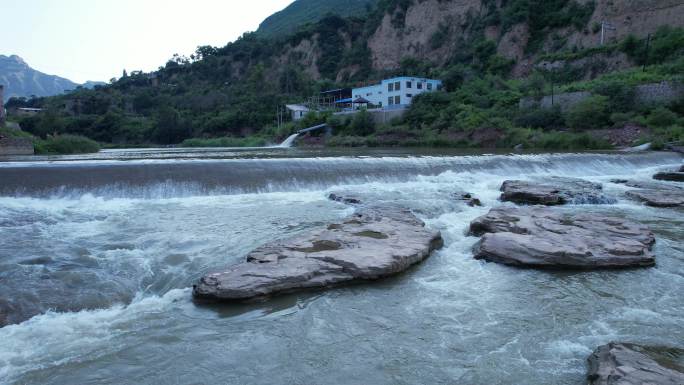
{"type": "Point", "coordinates": [396, 92]}
{"type": "Point", "coordinates": [297, 110]}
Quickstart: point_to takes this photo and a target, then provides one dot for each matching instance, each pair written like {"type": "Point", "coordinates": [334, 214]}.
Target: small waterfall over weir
{"type": "Point", "coordinates": [289, 141]}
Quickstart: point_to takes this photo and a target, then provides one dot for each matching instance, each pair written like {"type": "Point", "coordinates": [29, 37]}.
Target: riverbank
{"type": "Point", "coordinates": [52, 145]}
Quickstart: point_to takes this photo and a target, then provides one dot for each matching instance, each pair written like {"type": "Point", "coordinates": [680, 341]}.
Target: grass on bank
{"type": "Point", "coordinates": [250, 141]}
{"type": "Point", "coordinates": [58, 145]}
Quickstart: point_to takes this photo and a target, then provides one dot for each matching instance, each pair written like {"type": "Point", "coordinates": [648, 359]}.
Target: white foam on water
{"type": "Point", "coordinates": [53, 339]}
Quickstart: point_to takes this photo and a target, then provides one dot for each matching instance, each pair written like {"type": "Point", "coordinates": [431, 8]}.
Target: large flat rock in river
{"type": "Point", "coordinates": [629, 364]}
{"type": "Point", "coordinates": [371, 244]}
{"type": "Point", "coordinates": [554, 191]}
{"type": "Point", "coordinates": [654, 193]}
{"type": "Point", "coordinates": [538, 236]}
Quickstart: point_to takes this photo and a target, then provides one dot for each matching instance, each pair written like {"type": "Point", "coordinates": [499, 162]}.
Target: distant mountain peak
{"type": "Point", "coordinates": [21, 80]}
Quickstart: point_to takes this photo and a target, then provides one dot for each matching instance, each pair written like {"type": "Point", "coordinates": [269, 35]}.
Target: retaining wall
{"type": "Point", "coordinates": [653, 93]}
{"type": "Point", "coordinates": [15, 146]}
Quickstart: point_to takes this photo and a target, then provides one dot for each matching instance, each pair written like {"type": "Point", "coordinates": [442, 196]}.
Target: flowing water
{"type": "Point", "coordinates": [98, 255]}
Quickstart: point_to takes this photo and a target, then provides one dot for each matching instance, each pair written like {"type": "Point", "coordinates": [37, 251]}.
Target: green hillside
{"type": "Point", "coordinates": [228, 96]}
{"type": "Point", "coordinates": [302, 12]}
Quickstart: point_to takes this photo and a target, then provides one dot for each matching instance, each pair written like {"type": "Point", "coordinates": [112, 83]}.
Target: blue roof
{"type": "Point", "coordinates": [348, 100]}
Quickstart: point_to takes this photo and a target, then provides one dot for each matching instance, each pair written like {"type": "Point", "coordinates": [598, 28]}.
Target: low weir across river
{"type": "Point", "coordinates": [99, 254]}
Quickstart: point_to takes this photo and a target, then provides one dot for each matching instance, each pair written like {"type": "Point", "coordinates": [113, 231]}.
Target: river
{"type": "Point", "coordinates": [99, 254]}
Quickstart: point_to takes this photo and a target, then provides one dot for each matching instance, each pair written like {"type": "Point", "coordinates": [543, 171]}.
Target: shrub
{"type": "Point", "coordinates": [661, 117]}
{"type": "Point", "coordinates": [362, 123]}
{"type": "Point", "coordinates": [590, 113]}
{"type": "Point", "coordinates": [619, 119]}
{"type": "Point", "coordinates": [545, 118]}
{"type": "Point", "coordinates": [67, 144]}
{"type": "Point", "coordinates": [620, 95]}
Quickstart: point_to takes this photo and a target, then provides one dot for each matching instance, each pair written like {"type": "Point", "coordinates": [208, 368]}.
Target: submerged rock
{"type": "Point", "coordinates": [659, 198]}
{"type": "Point", "coordinates": [368, 245]}
{"type": "Point", "coordinates": [629, 364]}
{"type": "Point", "coordinates": [541, 237]}
{"type": "Point", "coordinates": [470, 200]}
{"type": "Point", "coordinates": [347, 198]}
{"type": "Point", "coordinates": [554, 191]}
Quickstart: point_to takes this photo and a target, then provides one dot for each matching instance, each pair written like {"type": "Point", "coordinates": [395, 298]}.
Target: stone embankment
{"type": "Point", "coordinates": [15, 146]}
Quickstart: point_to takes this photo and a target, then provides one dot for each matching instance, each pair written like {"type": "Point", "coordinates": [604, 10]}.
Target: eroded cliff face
{"type": "Point", "coordinates": [436, 30]}
{"type": "Point", "coordinates": [392, 42]}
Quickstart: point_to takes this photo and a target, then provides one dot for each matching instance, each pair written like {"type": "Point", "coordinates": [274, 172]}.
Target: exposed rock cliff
{"type": "Point", "coordinates": [439, 30]}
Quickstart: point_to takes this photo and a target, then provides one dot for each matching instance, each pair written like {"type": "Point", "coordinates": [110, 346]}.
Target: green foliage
{"type": "Point", "coordinates": [362, 124]}
{"type": "Point", "coordinates": [66, 144]}
{"type": "Point", "coordinates": [302, 12]}
{"type": "Point", "coordinates": [545, 118]}
{"type": "Point", "coordinates": [591, 113]}
{"type": "Point", "coordinates": [225, 142]}
{"type": "Point", "coordinates": [661, 117]}
{"type": "Point", "coordinates": [543, 15]}
{"type": "Point", "coordinates": [666, 44]}
{"type": "Point", "coordinates": [620, 96]}
{"type": "Point", "coordinates": [440, 36]}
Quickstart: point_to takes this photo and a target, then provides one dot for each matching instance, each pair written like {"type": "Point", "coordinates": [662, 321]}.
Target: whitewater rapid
{"type": "Point", "coordinates": [101, 262]}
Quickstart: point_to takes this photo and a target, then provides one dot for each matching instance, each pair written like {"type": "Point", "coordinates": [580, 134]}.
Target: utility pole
{"type": "Point", "coordinates": [648, 47]}
{"type": "Point", "coordinates": [605, 26]}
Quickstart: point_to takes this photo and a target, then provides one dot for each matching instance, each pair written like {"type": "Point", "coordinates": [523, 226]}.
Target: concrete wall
{"type": "Point", "coordinates": [653, 93]}
{"type": "Point", "coordinates": [665, 92]}
{"type": "Point", "coordinates": [15, 146]}
{"type": "Point", "coordinates": [380, 116]}
{"type": "Point", "coordinates": [564, 100]}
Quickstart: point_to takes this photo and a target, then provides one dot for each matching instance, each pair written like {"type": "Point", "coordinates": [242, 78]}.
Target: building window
{"type": "Point", "coordinates": [409, 85]}
{"type": "Point", "coordinates": [397, 100]}
{"type": "Point", "coordinates": [380, 104]}
{"type": "Point", "coordinates": [420, 85]}
{"type": "Point", "coordinates": [397, 86]}
{"type": "Point", "coordinates": [429, 86]}
{"type": "Point", "coordinates": [390, 101]}
{"type": "Point", "coordinates": [409, 95]}
{"type": "Point", "coordinates": [390, 87]}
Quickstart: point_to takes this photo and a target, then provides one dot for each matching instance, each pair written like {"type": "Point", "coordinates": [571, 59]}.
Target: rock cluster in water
{"type": "Point", "coordinates": [673, 176]}
{"type": "Point", "coordinates": [554, 191]}
{"type": "Point", "coordinates": [629, 364]}
{"type": "Point", "coordinates": [347, 198]}
{"type": "Point", "coordinates": [371, 244]}
{"type": "Point", "coordinates": [655, 194]}
{"type": "Point", "coordinates": [537, 236]}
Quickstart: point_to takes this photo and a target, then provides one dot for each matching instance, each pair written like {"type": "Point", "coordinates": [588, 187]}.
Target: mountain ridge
{"type": "Point", "coordinates": [21, 80]}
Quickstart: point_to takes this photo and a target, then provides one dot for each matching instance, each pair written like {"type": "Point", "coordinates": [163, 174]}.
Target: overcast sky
{"type": "Point", "coordinates": [96, 39]}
